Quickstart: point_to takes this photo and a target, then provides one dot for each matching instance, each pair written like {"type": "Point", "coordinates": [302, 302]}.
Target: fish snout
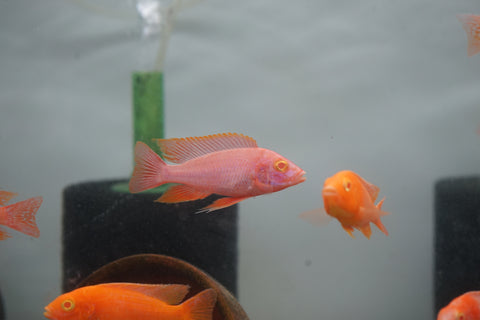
{"type": "Point", "coordinates": [329, 191]}
{"type": "Point", "coordinates": [48, 313]}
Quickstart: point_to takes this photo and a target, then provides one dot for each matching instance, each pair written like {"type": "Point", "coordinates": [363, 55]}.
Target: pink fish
{"type": "Point", "coordinates": [228, 164]}
{"type": "Point", "coordinates": [471, 24]}
{"type": "Point", "coordinates": [19, 216]}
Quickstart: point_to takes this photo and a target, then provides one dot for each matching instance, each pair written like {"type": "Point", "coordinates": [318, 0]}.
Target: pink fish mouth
{"type": "Point", "coordinates": [300, 177]}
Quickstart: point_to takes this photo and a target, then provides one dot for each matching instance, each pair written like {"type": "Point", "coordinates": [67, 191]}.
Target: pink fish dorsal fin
{"type": "Point", "coordinates": [372, 189]}
{"type": "Point", "coordinates": [179, 150]}
{"type": "Point", "coordinates": [6, 196]}
{"type": "Point", "coordinates": [171, 294]}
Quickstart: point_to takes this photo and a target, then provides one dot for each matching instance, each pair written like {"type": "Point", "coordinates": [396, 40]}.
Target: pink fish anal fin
{"type": "Point", "coordinates": [4, 234]}
{"type": "Point", "coordinates": [6, 196]}
{"type": "Point", "coordinates": [222, 203]}
{"type": "Point", "coordinates": [471, 25]}
{"type": "Point", "coordinates": [349, 230]}
{"type": "Point", "coordinates": [182, 193]}
{"type": "Point", "coordinates": [180, 150]}
{"type": "Point", "coordinates": [171, 294]}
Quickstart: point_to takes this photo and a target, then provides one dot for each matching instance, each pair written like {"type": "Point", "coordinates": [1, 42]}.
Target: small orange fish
{"type": "Point", "coordinates": [471, 24]}
{"type": "Point", "coordinates": [350, 199]}
{"type": "Point", "coordinates": [19, 216]}
{"type": "Point", "coordinates": [229, 164]}
{"type": "Point", "coordinates": [127, 301]}
{"type": "Point", "coordinates": [464, 307]}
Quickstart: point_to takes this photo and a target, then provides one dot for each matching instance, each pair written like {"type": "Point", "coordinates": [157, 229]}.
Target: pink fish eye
{"type": "Point", "coordinates": [281, 165]}
{"type": "Point", "coordinates": [68, 305]}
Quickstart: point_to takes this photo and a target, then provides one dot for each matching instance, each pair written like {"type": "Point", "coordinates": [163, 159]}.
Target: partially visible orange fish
{"type": "Point", "coordinates": [471, 24]}
{"type": "Point", "coordinates": [127, 301]}
{"type": "Point", "coordinates": [229, 164]}
{"type": "Point", "coordinates": [19, 216]}
{"type": "Point", "coordinates": [350, 199]}
{"type": "Point", "coordinates": [464, 307]}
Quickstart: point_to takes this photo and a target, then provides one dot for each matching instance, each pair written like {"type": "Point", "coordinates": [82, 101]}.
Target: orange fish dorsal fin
{"type": "Point", "coordinates": [179, 150]}
{"type": "Point", "coordinates": [6, 196]}
{"type": "Point", "coordinates": [171, 294]}
{"type": "Point", "coordinates": [471, 25]}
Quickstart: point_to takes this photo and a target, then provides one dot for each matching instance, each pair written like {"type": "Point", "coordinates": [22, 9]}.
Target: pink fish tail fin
{"type": "Point", "coordinates": [21, 216]}
{"type": "Point", "coordinates": [148, 171]}
{"type": "Point", "coordinates": [6, 196]}
{"type": "Point", "coordinates": [200, 307]}
{"type": "Point", "coordinates": [471, 25]}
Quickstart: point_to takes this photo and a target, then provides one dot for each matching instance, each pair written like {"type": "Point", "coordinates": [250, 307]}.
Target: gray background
{"type": "Point", "coordinates": [384, 88]}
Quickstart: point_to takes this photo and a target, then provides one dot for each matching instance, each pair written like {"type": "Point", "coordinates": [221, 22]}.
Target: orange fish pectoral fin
{"type": "Point", "coordinates": [6, 196]}
{"type": "Point", "coordinates": [222, 203]}
{"type": "Point", "coordinates": [349, 230]}
{"type": "Point", "coordinates": [366, 230]}
{"type": "Point", "coordinates": [171, 294]}
{"type": "Point", "coordinates": [200, 306]}
{"type": "Point", "coordinates": [182, 193]}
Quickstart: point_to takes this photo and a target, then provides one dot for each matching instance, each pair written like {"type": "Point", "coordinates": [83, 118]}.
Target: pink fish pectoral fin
{"type": "Point", "coordinates": [6, 196]}
{"type": "Point", "coordinates": [182, 193]}
{"type": "Point", "coordinates": [222, 203]}
{"type": "Point", "coordinates": [317, 217]}
{"type": "Point", "coordinates": [171, 294]}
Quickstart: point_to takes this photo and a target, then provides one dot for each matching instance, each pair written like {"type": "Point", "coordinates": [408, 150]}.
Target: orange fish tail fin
{"type": "Point", "coordinates": [316, 217]}
{"type": "Point", "coordinates": [149, 169]}
{"type": "Point", "coordinates": [21, 216]}
{"type": "Point", "coordinates": [471, 25]}
{"type": "Point", "coordinates": [200, 307]}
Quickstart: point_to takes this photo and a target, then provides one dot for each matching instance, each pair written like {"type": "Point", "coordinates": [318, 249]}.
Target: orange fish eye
{"type": "Point", "coordinates": [347, 185]}
{"type": "Point", "coordinates": [68, 305]}
{"type": "Point", "coordinates": [281, 165]}
{"type": "Point", "coordinates": [460, 316]}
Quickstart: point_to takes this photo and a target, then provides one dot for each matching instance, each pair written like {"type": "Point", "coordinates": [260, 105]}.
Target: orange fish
{"type": "Point", "coordinates": [229, 164]}
{"type": "Point", "coordinates": [471, 24]}
{"type": "Point", "coordinates": [464, 307]}
{"type": "Point", "coordinates": [127, 301]}
{"type": "Point", "coordinates": [19, 216]}
{"type": "Point", "coordinates": [350, 199]}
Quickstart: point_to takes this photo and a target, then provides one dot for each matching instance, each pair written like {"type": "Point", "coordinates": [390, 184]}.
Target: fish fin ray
{"type": "Point", "coordinates": [471, 25]}
{"type": "Point", "coordinates": [349, 230]}
{"type": "Point", "coordinates": [171, 294]}
{"type": "Point", "coordinates": [4, 234]}
{"type": "Point", "coordinates": [317, 217]}
{"type": "Point", "coordinates": [380, 226]}
{"type": "Point", "coordinates": [200, 306]}
{"type": "Point", "coordinates": [222, 203]}
{"type": "Point", "coordinates": [366, 230]}
{"type": "Point", "coordinates": [148, 169]}
{"type": "Point", "coordinates": [182, 193]}
{"type": "Point", "coordinates": [20, 216]}
{"type": "Point", "coordinates": [6, 196]}
{"type": "Point", "coordinates": [180, 150]}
